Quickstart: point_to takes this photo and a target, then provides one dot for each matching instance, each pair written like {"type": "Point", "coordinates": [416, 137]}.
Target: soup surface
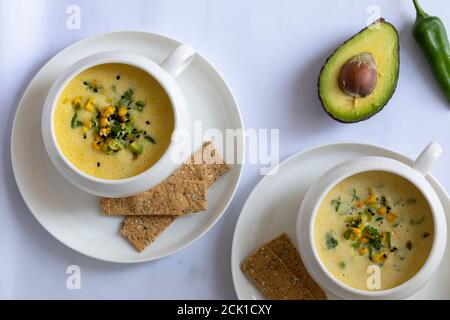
{"type": "Point", "coordinates": [373, 230]}
{"type": "Point", "coordinates": [113, 121]}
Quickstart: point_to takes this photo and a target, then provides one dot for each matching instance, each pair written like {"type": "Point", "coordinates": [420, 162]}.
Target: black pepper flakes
{"type": "Point", "coordinates": [98, 164]}
{"type": "Point", "coordinates": [147, 122]}
{"type": "Point", "coordinates": [409, 245]}
{"type": "Point", "coordinates": [118, 77]}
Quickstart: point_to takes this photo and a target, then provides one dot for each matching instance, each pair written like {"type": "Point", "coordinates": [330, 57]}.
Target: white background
{"type": "Point", "coordinates": [270, 52]}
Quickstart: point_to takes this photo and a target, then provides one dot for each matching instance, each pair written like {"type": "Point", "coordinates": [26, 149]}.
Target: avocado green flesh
{"type": "Point", "coordinates": [136, 147]}
{"type": "Point", "coordinates": [381, 40]}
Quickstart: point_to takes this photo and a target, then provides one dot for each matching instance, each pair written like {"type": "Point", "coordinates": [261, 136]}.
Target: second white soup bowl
{"type": "Point", "coordinates": [414, 174]}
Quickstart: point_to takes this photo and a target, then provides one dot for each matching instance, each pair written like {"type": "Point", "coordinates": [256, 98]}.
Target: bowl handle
{"type": "Point", "coordinates": [427, 158]}
{"type": "Point", "coordinates": [178, 60]}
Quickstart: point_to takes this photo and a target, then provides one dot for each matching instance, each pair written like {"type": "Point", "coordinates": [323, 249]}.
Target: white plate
{"type": "Point", "coordinates": [272, 209]}
{"type": "Point", "coordinates": [74, 217]}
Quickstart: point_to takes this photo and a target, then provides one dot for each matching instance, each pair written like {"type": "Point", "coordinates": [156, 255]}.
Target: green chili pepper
{"type": "Point", "coordinates": [431, 36]}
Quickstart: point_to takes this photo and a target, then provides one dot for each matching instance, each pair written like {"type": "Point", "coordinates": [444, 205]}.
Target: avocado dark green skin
{"type": "Point", "coordinates": [326, 61]}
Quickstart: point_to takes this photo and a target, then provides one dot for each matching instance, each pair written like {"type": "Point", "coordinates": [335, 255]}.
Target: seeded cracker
{"type": "Point", "coordinates": [283, 247]}
{"type": "Point", "coordinates": [205, 166]}
{"type": "Point", "coordinates": [141, 231]}
{"type": "Point", "coordinates": [168, 198]}
{"type": "Point", "coordinates": [272, 276]}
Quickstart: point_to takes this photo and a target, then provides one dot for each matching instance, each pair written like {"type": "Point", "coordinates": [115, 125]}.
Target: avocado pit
{"type": "Point", "coordinates": [358, 76]}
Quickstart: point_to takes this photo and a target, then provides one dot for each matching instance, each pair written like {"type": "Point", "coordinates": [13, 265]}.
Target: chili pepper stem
{"type": "Point", "coordinates": [419, 10]}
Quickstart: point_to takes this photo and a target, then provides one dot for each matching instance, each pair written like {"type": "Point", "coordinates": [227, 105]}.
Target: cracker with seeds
{"type": "Point", "coordinates": [142, 231]}
{"type": "Point", "coordinates": [283, 247]}
{"type": "Point", "coordinates": [168, 198]}
{"type": "Point", "coordinates": [184, 191]}
{"type": "Point", "coordinates": [273, 277]}
{"type": "Point", "coordinates": [205, 164]}
{"type": "Point", "coordinates": [278, 272]}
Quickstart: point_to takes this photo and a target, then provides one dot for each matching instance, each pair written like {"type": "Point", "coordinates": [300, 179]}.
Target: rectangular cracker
{"type": "Point", "coordinates": [168, 198]}
{"type": "Point", "coordinates": [272, 276]}
{"type": "Point", "coordinates": [283, 247]}
{"type": "Point", "coordinates": [183, 192]}
{"type": "Point", "coordinates": [206, 164]}
{"type": "Point", "coordinates": [142, 231]}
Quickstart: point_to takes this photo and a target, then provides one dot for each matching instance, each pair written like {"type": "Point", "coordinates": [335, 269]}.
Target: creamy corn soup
{"type": "Point", "coordinates": [373, 218]}
{"type": "Point", "coordinates": [113, 121]}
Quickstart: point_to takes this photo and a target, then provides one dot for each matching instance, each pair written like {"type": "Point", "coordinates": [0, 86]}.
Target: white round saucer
{"type": "Point", "coordinates": [272, 208]}
{"type": "Point", "coordinates": [72, 216]}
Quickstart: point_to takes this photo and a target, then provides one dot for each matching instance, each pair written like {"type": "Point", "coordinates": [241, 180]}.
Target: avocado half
{"type": "Point", "coordinates": [381, 40]}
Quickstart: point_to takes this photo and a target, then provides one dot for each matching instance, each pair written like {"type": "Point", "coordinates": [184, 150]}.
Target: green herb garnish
{"type": "Point", "coordinates": [115, 145]}
{"type": "Point", "coordinates": [139, 106]}
{"type": "Point", "coordinates": [354, 195]}
{"type": "Point", "coordinates": [388, 239]}
{"type": "Point", "coordinates": [92, 86]}
{"type": "Point", "coordinates": [126, 99]}
{"type": "Point", "coordinates": [330, 241]}
{"type": "Point", "coordinates": [75, 123]}
{"type": "Point", "coordinates": [374, 236]}
{"type": "Point", "coordinates": [348, 233]}
{"type": "Point", "coordinates": [150, 139]}
{"type": "Point", "coordinates": [417, 221]}
{"type": "Point", "coordinates": [336, 203]}
{"type": "Point", "coordinates": [136, 148]}
{"type": "Point", "coordinates": [356, 245]}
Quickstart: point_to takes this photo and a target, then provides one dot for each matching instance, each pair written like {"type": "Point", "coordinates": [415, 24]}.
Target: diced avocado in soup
{"type": "Point", "coordinates": [373, 218]}
{"type": "Point", "coordinates": [113, 121]}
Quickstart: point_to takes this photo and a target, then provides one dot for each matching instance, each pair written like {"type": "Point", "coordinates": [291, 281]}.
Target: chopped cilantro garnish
{"type": "Point", "coordinates": [139, 106]}
{"type": "Point", "coordinates": [126, 99]}
{"type": "Point", "coordinates": [92, 86]}
{"type": "Point", "coordinates": [336, 203]}
{"type": "Point", "coordinates": [150, 139]}
{"type": "Point", "coordinates": [75, 123]}
{"type": "Point", "coordinates": [355, 197]}
{"type": "Point", "coordinates": [330, 241]}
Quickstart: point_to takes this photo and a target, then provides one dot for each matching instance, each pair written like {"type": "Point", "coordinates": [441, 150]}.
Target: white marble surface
{"type": "Point", "coordinates": [270, 52]}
